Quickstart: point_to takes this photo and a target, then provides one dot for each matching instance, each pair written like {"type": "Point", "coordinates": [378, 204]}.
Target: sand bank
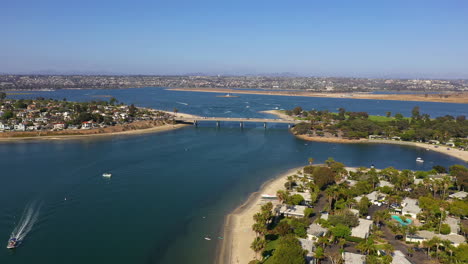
{"type": "Point", "coordinates": [452, 97]}
{"type": "Point", "coordinates": [238, 233]}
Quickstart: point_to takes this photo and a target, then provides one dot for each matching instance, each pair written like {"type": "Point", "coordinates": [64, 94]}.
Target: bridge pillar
{"type": "Point", "coordinates": [264, 124]}
{"type": "Point", "coordinates": [218, 123]}
{"type": "Point", "coordinates": [289, 125]}
{"type": "Point", "coordinates": [241, 124]}
{"type": "Point", "coordinates": [195, 123]}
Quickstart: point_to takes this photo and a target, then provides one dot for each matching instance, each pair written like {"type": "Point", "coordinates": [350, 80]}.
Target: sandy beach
{"type": "Point", "coordinates": [460, 154]}
{"type": "Point", "coordinates": [453, 97]}
{"type": "Point", "coordinates": [278, 114]}
{"type": "Point", "coordinates": [238, 234]}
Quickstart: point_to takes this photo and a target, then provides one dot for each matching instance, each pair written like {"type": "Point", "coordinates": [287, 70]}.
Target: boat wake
{"type": "Point", "coordinates": [182, 103]}
{"type": "Point", "coordinates": [27, 220]}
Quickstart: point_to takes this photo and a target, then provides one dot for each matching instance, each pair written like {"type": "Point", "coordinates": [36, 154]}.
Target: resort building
{"type": "Point", "coordinates": [292, 210]}
{"type": "Point", "coordinates": [410, 207]}
{"type": "Point", "coordinates": [363, 229]}
{"type": "Point", "coordinates": [400, 258]}
{"type": "Point", "coordinates": [353, 258]}
{"type": "Point", "coordinates": [315, 231]}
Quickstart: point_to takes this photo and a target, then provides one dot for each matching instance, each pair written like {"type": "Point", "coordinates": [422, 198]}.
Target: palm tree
{"type": "Point", "coordinates": [258, 245]}
{"type": "Point", "coordinates": [367, 246]}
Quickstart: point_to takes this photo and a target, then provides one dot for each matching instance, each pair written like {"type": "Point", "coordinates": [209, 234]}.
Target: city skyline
{"type": "Point", "coordinates": [421, 39]}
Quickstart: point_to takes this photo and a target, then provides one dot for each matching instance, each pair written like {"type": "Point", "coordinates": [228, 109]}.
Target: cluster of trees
{"type": "Point", "coordinates": [418, 127]}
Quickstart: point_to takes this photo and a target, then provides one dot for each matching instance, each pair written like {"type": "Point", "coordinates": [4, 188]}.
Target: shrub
{"type": "Point", "coordinates": [445, 229]}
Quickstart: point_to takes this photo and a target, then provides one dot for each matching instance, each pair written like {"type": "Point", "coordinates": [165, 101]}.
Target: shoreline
{"type": "Point", "coordinates": [456, 153]}
{"type": "Point", "coordinates": [237, 232]}
{"type": "Point", "coordinates": [140, 131]}
{"type": "Point", "coordinates": [453, 152]}
{"type": "Point", "coordinates": [453, 97]}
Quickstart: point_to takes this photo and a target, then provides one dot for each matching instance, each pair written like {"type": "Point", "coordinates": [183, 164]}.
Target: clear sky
{"type": "Point", "coordinates": [374, 38]}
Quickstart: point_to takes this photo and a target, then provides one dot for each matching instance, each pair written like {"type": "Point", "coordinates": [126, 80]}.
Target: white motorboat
{"type": "Point", "coordinates": [418, 159]}
{"type": "Point", "coordinates": [106, 175]}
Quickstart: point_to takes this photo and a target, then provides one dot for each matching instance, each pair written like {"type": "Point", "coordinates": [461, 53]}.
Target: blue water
{"type": "Point", "coordinates": [168, 190]}
{"type": "Point", "coordinates": [404, 223]}
{"type": "Point", "coordinates": [248, 105]}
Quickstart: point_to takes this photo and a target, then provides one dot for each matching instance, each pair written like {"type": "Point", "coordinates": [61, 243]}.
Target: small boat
{"type": "Point", "coordinates": [207, 238]}
{"type": "Point", "coordinates": [12, 243]}
{"type": "Point", "coordinates": [106, 175]}
{"type": "Point", "coordinates": [418, 159]}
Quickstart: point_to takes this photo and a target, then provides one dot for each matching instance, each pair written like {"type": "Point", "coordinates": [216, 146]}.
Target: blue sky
{"type": "Point", "coordinates": [377, 38]}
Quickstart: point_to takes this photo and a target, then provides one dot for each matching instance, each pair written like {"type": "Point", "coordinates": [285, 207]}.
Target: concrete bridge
{"type": "Point", "coordinates": [241, 121]}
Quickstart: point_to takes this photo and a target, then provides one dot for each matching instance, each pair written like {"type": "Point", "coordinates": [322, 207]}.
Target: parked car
{"type": "Point", "coordinates": [399, 237]}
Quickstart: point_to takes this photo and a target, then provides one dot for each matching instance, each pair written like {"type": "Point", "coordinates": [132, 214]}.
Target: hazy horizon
{"type": "Point", "coordinates": [365, 39]}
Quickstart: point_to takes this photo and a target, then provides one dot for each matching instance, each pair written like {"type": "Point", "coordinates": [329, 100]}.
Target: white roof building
{"type": "Point", "coordinates": [410, 207]}
{"type": "Point", "coordinates": [363, 229]}
{"type": "Point", "coordinates": [459, 195]}
{"type": "Point", "coordinates": [454, 224]}
{"type": "Point", "coordinates": [385, 183]}
{"type": "Point", "coordinates": [292, 210]}
{"type": "Point", "coordinates": [315, 231]}
{"type": "Point", "coordinates": [425, 235]}
{"type": "Point", "coordinates": [400, 258]}
{"type": "Point", "coordinates": [305, 195]}
{"type": "Point", "coordinates": [353, 258]}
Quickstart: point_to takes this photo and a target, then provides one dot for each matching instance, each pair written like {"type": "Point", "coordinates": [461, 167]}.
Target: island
{"type": "Point", "coordinates": [445, 134]}
{"type": "Point", "coordinates": [352, 215]}
{"type": "Point", "coordinates": [43, 118]}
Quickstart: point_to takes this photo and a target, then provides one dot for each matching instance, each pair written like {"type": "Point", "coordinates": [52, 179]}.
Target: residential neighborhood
{"type": "Point", "coordinates": [40, 114]}
{"type": "Point", "coordinates": [366, 215]}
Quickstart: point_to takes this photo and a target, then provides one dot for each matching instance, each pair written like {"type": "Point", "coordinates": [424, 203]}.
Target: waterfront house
{"type": "Point", "coordinates": [315, 231]}
{"type": "Point", "coordinates": [363, 229]}
{"type": "Point", "coordinates": [353, 258]}
{"type": "Point", "coordinates": [410, 207]}
{"type": "Point", "coordinates": [19, 127]}
{"type": "Point", "coordinates": [59, 126]}
{"type": "Point", "coordinates": [425, 235]}
{"type": "Point", "coordinates": [306, 196]}
{"type": "Point", "coordinates": [87, 125]}
{"type": "Point", "coordinates": [458, 195]}
{"type": "Point", "coordinates": [292, 210]}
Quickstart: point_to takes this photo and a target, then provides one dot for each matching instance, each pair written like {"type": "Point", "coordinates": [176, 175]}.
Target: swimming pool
{"type": "Point", "coordinates": [405, 223]}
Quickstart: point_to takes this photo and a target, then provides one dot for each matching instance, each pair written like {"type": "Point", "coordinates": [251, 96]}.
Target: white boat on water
{"type": "Point", "coordinates": [106, 175]}
{"type": "Point", "coordinates": [418, 159]}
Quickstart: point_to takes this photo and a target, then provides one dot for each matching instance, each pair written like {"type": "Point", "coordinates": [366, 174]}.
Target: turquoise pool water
{"type": "Point", "coordinates": [405, 223]}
